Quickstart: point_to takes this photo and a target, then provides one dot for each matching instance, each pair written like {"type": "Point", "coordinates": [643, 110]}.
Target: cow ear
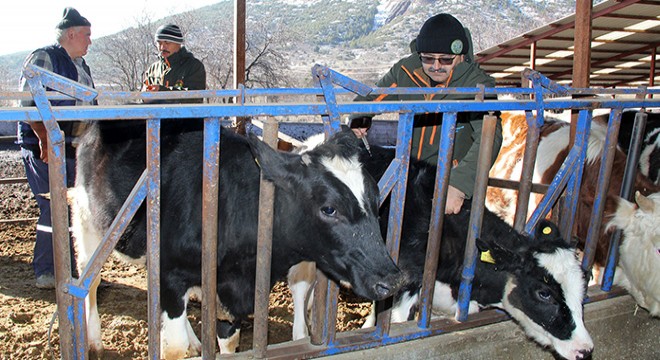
{"type": "Point", "coordinates": [547, 231]}
{"type": "Point", "coordinates": [645, 204]}
{"type": "Point", "coordinates": [501, 257]}
{"type": "Point", "coordinates": [276, 166]}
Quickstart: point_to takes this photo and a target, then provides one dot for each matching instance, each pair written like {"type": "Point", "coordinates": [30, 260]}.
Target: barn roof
{"type": "Point", "coordinates": [625, 36]}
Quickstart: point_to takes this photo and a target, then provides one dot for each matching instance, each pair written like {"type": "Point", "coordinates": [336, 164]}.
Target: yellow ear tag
{"type": "Point", "coordinates": [487, 257]}
{"type": "Point", "coordinates": [547, 230]}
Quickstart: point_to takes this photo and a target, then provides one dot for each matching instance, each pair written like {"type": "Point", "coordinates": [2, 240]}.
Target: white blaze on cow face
{"type": "Point", "coordinates": [348, 171]}
{"type": "Point", "coordinates": [564, 268]}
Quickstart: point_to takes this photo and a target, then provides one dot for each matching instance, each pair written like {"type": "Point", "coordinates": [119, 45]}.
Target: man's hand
{"type": "Point", "coordinates": [152, 87]}
{"type": "Point", "coordinates": [455, 200]}
{"type": "Point", "coordinates": [360, 132]}
{"type": "Point", "coordinates": [43, 147]}
{"type": "Point", "coordinates": [40, 130]}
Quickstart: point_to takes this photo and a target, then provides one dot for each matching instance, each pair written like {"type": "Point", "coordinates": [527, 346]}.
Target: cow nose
{"type": "Point", "coordinates": [389, 285]}
{"type": "Point", "coordinates": [584, 354]}
{"type": "Point", "coordinates": [383, 289]}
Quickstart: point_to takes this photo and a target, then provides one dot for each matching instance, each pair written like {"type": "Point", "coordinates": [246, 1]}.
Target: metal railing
{"type": "Point", "coordinates": [324, 341]}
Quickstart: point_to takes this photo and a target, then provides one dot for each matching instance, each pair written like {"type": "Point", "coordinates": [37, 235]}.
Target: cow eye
{"type": "Point", "coordinates": [328, 211]}
{"type": "Point", "coordinates": [543, 295]}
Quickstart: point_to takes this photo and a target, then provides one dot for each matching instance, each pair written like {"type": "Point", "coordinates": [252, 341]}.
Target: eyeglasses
{"type": "Point", "coordinates": [430, 60]}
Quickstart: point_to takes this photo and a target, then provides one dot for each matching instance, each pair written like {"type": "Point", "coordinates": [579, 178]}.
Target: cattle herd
{"type": "Point", "coordinates": [326, 213]}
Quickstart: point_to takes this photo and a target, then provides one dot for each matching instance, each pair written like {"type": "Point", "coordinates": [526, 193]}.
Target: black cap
{"type": "Point", "coordinates": [71, 17]}
{"type": "Point", "coordinates": [442, 34]}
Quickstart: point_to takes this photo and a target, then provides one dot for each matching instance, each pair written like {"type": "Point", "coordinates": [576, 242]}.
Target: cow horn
{"type": "Point", "coordinates": [644, 203]}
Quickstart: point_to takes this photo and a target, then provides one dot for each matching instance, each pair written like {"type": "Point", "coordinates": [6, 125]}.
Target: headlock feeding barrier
{"type": "Point", "coordinates": [542, 96]}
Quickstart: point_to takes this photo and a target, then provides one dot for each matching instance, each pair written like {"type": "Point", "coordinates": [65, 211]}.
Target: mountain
{"type": "Point", "coordinates": [360, 38]}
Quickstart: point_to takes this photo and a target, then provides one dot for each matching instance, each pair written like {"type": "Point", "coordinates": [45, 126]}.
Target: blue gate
{"type": "Point", "coordinates": [71, 292]}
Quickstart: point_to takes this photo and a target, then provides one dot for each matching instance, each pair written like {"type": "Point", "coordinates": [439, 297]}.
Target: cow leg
{"type": "Point", "coordinates": [195, 345]}
{"type": "Point", "coordinates": [371, 318]}
{"type": "Point", "coordinates": [445, 304]}
{"type": "Point", "coordinates": [402, 306]}
{"type": "Point", "coordinates": [174, 341]}
{"type": "Point", "coordinates": [229, 335]}
{"type": "Point", "coordinates": [177, 340]}
{"type": "Point", "coordinates": [300, 278]}
{"type": "Point", "coordinates": [86, 239]}
{"type": "Point", "coordinates": [93, 319]}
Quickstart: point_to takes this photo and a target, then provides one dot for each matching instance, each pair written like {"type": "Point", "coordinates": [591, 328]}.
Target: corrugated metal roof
{"type": "Point", "coordinates": [625, 36]}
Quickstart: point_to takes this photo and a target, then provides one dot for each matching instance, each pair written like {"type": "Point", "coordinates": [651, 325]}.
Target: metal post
{"type": "Point", "coordinates": [478, 200]}
{"type": "Point", "coordinates": [210, 185]}
{"type": "Point", "coordinates": [527, 173]}
{"type": "Point", "coordinates": [264, 250]}
{"type": "Point", "coordinates": [445, 155]}
{"type": "Point", "coordinates": [626, 192]}
{"type": "Point", "coordinates": [153, 236]}
{"type": "Point", "coordinates": [567, 220]}
{"type": "Point", "coordinates": [607, 159]}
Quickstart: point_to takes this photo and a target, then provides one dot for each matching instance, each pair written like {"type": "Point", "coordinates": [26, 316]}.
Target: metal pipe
{"type": "Point", "coordinates": [153, 236]}
{"type": "Point", "coordinates": [445, 156]}
{"type": "Point", "coordinates": [264, 250]}
{"type": "Point", "coordinates": [572, 194]}
{"type": "Point", "coordinates": [603, 184]}
{"type": "Point", "coordinates": [527, 173]}
{"type": "Point", "coordinates": [476, 216]}
{"type": "Point", "coordinates": [627, 184]}
{"type": "Point", "coordinates": [210, 185]}
{"type": "Point", "coordinates": [57, 183]}
{"type": "Point", "coordinates": [397, 204]}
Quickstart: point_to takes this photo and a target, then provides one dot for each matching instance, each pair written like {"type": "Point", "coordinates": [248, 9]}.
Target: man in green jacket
{"type": "Point", "coordinates": [177, 68]}
{"type": "Point", "coordinates": [441, 57]}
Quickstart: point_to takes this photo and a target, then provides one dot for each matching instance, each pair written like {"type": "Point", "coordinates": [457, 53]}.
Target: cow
{"type": "Point", "coordinates": [639, 254]}
{"type": "Point", "coordinates": [536, 279]}
{"type": "Point", "coordinates": [649, 161]}
{"type": "Point", "coordinates": [326, 211]}
{"type": "Point", "coordinates": [552, 150]}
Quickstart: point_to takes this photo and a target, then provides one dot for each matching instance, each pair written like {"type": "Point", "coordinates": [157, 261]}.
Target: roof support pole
{"type": "Point", "coordinates": [581, 51]}
{"type": "Point", "coordinates": [654, 53]}
{"type": "Point", "coordinates": [239, 55]}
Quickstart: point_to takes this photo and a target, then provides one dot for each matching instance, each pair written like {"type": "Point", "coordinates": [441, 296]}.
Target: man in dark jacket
{"type": "Point", "coordinates": [64, 58]}
{"type": "Point", "coordinates": [441, 57]}
{"type": "Point", "coordinates": [177, 68]}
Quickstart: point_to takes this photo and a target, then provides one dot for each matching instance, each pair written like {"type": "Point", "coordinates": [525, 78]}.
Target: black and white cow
{"type": "Point", "coordinates": [649, 160]}
{"type": "Point", "coordinates": [326, 211]}
{"type": "Point", "coordinates": [537, 280]}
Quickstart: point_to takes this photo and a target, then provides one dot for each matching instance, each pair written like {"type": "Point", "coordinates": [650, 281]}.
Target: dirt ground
{"type": "Point", "coordinates": [26, 312]}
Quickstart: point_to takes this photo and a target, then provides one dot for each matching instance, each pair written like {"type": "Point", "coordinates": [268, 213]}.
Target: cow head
{"type": "Point", "coordinates": [545, 289]}
{"type": "Point", "coordinates": [332, 203]}
{"type": "Point", "coordinates": [639, 253]}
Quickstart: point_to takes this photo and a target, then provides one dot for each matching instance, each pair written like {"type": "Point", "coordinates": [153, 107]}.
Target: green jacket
{"type": "Point", "coordinates": [408, 72]}
{"type": "Point", "coordinates": [180, 71]}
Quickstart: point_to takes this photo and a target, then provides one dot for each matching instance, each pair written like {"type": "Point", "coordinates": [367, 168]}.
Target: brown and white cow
{"type": "Point", "coordinates": [552, 150]}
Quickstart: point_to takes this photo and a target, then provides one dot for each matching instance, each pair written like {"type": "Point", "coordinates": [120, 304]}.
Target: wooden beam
{"type": "Point", "coordinates": [239, 54]}
{"type": "Point", "coordinates": [582, 44]}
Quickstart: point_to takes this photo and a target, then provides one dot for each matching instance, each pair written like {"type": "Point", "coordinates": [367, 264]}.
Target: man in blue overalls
{"type": "Point", "coordinates": [65, 58]}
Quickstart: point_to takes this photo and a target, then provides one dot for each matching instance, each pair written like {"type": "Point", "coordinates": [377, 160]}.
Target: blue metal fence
{"type": "Point", "coordinates": [71, 292]}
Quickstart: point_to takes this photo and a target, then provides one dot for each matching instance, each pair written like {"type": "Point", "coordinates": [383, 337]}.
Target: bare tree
{"type": "Point", "coordinates": [266, 49]}
{"type": "Point", "coordinates": [125, 56]}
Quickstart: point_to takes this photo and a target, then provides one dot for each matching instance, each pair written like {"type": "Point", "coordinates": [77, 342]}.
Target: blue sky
{"type": "Point", "coordinates": [29, 24]}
